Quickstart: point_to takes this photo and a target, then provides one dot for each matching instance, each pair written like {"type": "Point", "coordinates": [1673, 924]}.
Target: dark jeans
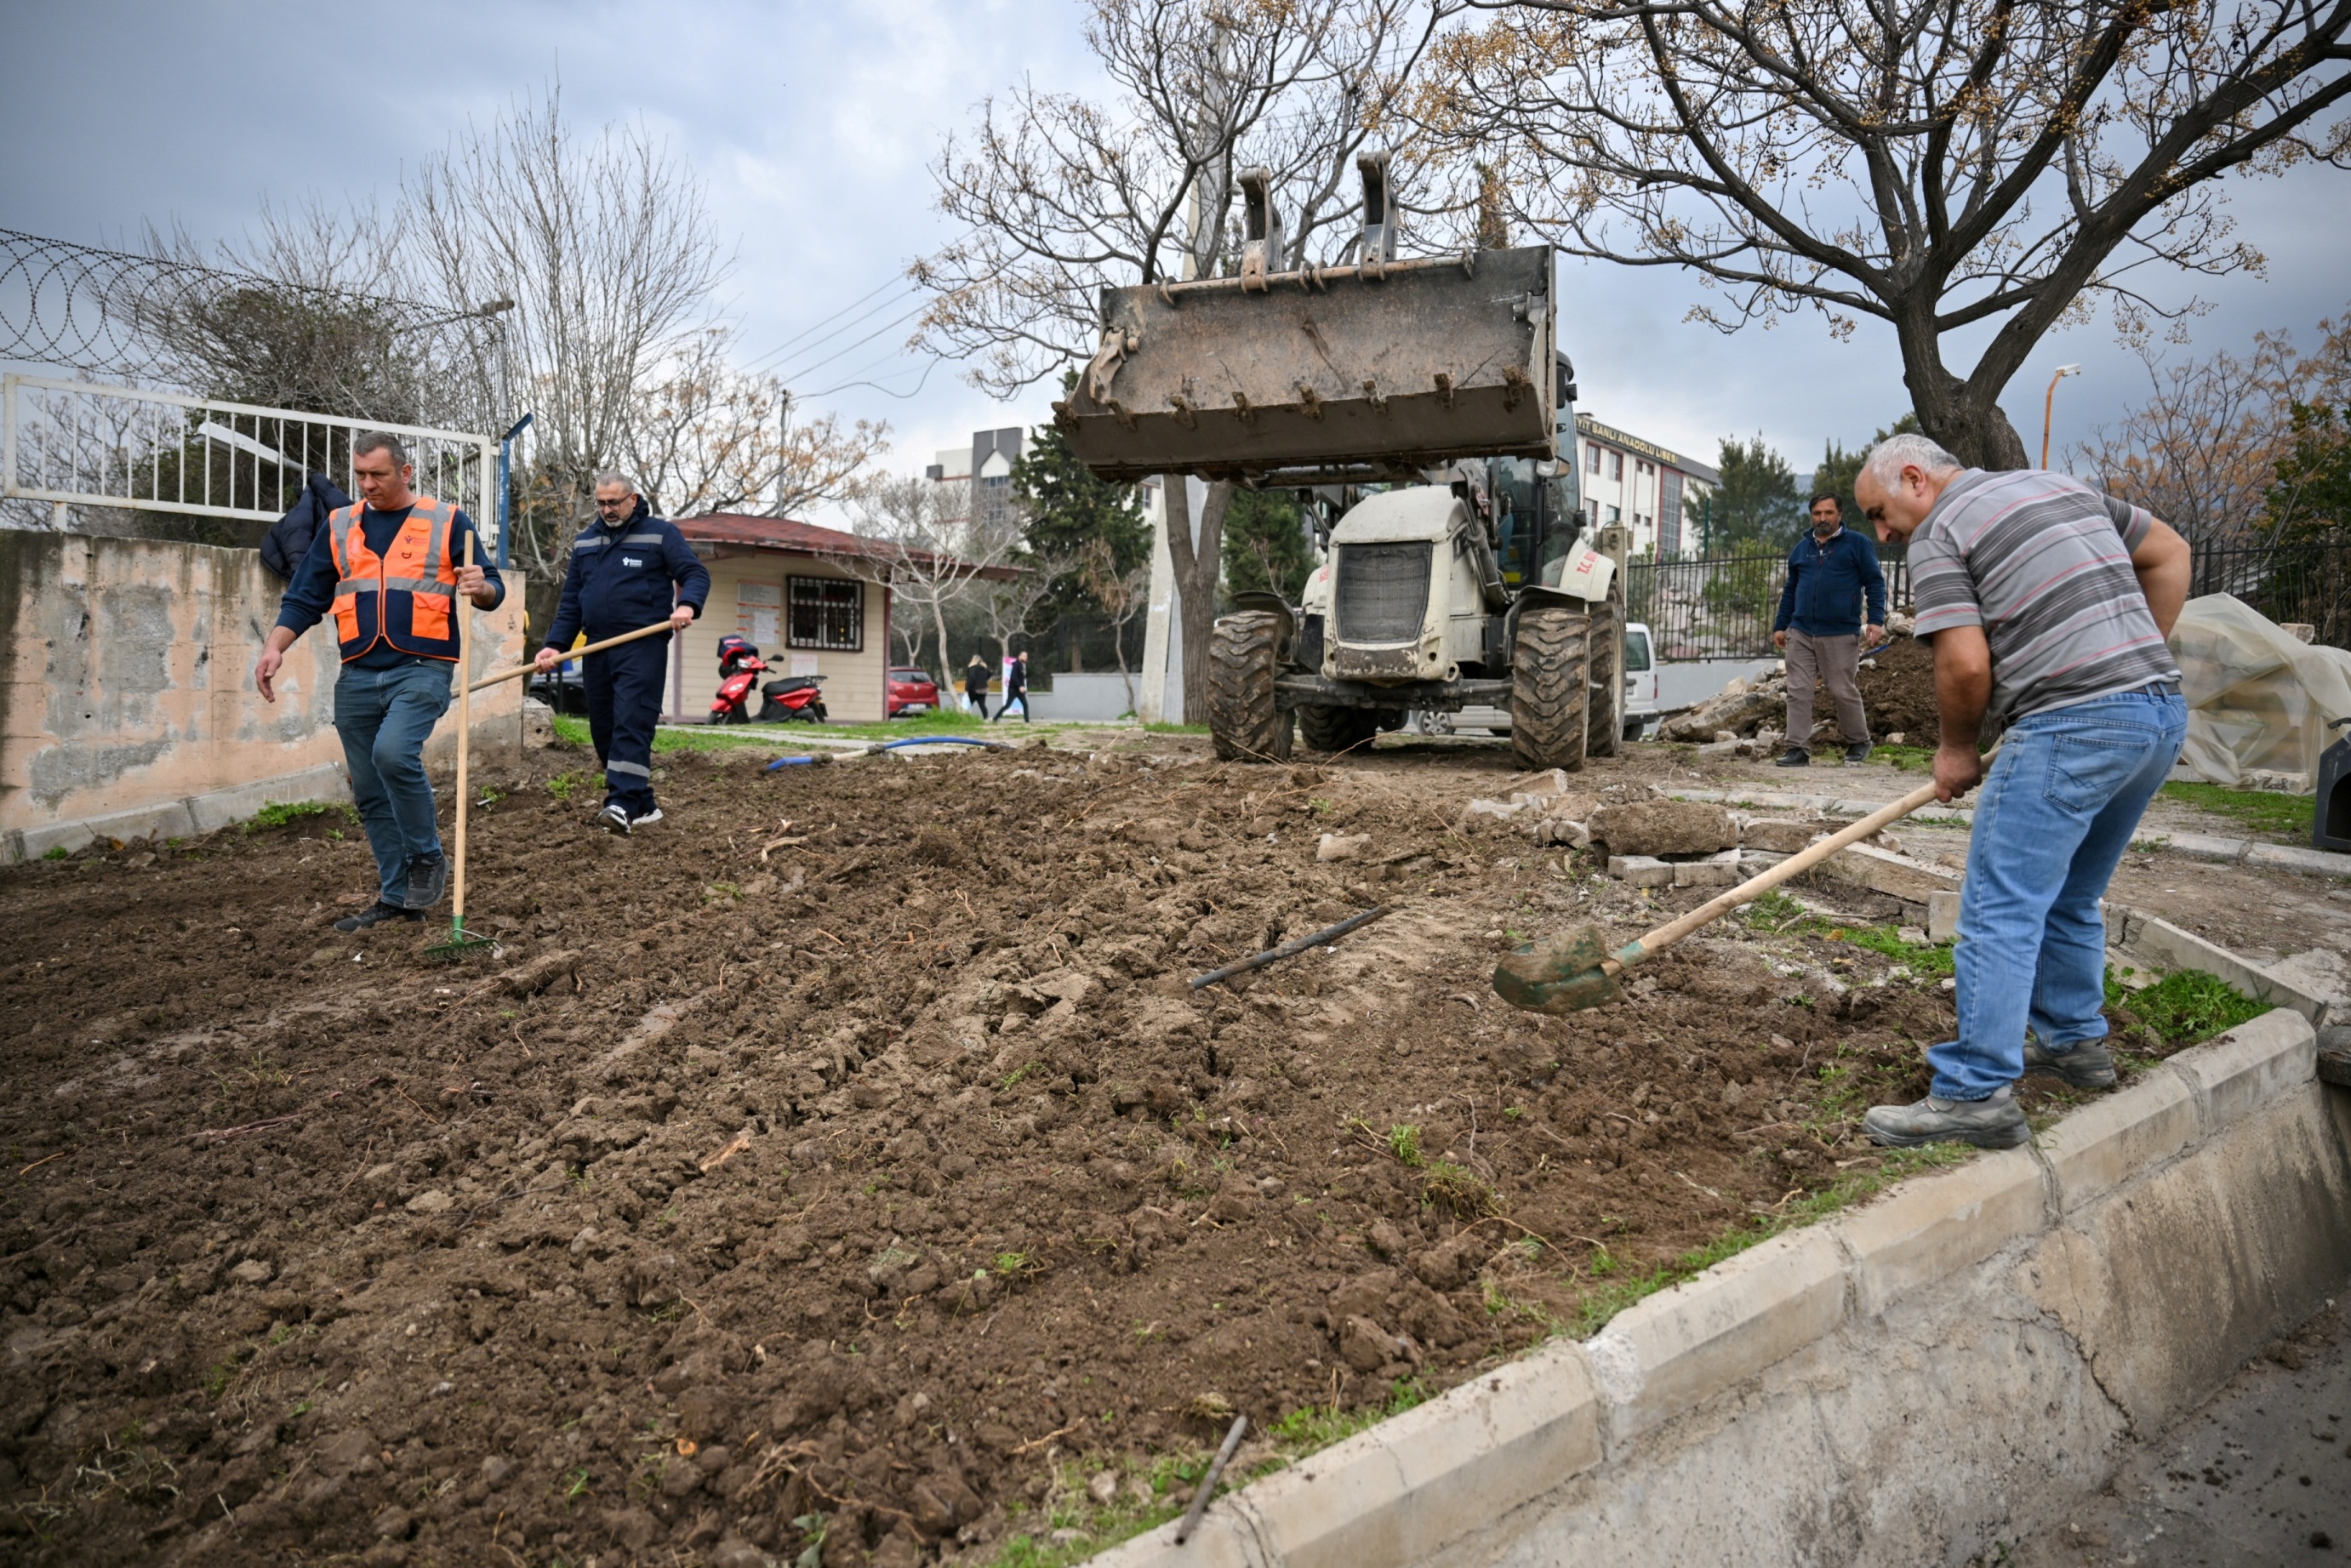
{"type": "Point", "coordinates": [623, 687]}
{"type": "Point", "coordinates": [384, 717]}
{"type": "Point", "coordinates": [1021, 696]}
{"type": "Point", "coordinates": [979, 700]}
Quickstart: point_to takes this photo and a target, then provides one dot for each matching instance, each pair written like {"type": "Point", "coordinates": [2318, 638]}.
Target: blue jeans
{"type": "Point", "coordinates": [384, 717]}
{"type": "Point", "coordinates": [2054, 818]}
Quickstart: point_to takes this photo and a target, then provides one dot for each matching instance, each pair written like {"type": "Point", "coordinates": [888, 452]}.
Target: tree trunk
{"type": "Point", "coordinates": [1196, 578]}
{"type": "Point", "coordinates": [940, 624]}
{"type": "Point", "coordinates": [1965, 419]}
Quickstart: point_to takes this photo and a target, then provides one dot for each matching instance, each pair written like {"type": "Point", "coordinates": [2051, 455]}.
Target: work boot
{"type": "Point", "coordinates": [647, 820]}
{"type": "Point", "coordinates": [1995, 1122]}
{"type": "Point", "coordinates": [1857, 752]}
{"type": "Point", "coordinates": [374, 915]}
{"type": "Point", "coordinates": [2085, 1064]}
{"type": "Point", "coordinates": [428, 881]}
{"type": "Point", "coordinates": [1795, 756]}
{"type": "Point", "coordinates": [614, 819]}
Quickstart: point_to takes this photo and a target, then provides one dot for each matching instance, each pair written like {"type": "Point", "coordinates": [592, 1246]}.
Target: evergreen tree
{"type": "Point", "coordinates": [1757, 505]}
{"type": "Point", "coordinates": [2312, 492]}
{"type": "Point", "coordinates": [1068, 509]}
{"type": "Point", "coordinates": [1265, 545]}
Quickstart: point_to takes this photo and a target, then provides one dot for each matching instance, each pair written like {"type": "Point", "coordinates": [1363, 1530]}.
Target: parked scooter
{"type": "Point", "coordinates": [784, 698]}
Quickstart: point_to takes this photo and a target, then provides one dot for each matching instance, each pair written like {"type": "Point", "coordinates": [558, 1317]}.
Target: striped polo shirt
{"type": "Point", "coordinates": [2041, 562]}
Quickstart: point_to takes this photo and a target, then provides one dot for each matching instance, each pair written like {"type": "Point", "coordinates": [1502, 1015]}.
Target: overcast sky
{"type": "Point", "coordinates": [814, 127]}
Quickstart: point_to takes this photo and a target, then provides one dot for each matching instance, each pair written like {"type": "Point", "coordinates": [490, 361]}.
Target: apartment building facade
{"type": "Point", "coordinates": [1654, 490]}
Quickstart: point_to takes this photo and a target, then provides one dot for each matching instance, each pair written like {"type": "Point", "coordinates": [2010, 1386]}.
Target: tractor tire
{"type": "Point", "coordinates": [1244, 720]}
{"type": "Point", "coordinates": [1549, 686]}
{"type": "Point", "coordinates": [1336, 729]}
{"type": "Point", "coordinates": [1605, 715]}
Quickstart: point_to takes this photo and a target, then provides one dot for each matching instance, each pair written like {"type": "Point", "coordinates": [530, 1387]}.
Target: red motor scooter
{"type": "Point", "coordinates": [786, 697]}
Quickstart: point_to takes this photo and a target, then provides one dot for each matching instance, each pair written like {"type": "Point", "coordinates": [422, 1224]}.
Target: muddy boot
{"type": "Point", "coordinates": [2086, 1064]}
{"type": "Point", "coordinates": [1995, 1122]}
{"type": "Point", "coordinates": [374, 915]}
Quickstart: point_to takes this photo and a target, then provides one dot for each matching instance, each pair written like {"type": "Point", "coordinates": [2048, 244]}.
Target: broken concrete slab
{"type": "Point", "coordinates": [1664, 827]}
{"type": "Point", "coordinates": [1716, 871]}
{"type": "Point", "coordinates": [1778, 834]}
{"type": "Point", "coordinates": [1884, 871]}
{"type": "Point", "coordinates": [1943, 917]}
{"type": "Point", "coordinates": [1641, 870]}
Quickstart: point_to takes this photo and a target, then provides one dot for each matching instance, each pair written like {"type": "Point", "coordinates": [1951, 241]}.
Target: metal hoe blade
{"type": "Point", "coordinates": [1562, 974]}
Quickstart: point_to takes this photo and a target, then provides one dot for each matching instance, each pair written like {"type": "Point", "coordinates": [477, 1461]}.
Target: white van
{"type": "Point", "coordinates": [1641, 700]}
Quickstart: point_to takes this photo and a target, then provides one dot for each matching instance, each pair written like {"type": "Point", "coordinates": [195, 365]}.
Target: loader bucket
{"type": "Point", "coordinates": [1373, 370]}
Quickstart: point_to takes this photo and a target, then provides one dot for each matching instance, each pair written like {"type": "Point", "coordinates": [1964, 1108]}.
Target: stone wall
{"type": "Point", "coordinates": [127, 705]}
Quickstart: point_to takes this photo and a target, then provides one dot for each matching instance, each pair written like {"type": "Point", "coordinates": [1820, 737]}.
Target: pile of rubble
{"type": "Point", "coordinates": [1744, 718]}
{"type": "Point", "coordinates": [1646, 840]}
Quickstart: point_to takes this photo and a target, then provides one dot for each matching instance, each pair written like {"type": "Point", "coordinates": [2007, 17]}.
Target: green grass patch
{"type": "Point", "coordinates": [1176, 728]}
{"type": "Point", "coordinates": [1906, 759]}
{"type": "Point", "coordinates": [1311, 1428]}
{"type": "Point", "coordinates": [1924, 957]}
{"type": "Point", "coordinates": [1603, 1302]}
{"type": "Point", "coordinates": [286, 813]}
{"type": "Point", "coordinates": [57, 853]}
{"type": "Point", "coordinates": [2189, 1006]}
{"type": "Point", "coordinates": [2283, 817]}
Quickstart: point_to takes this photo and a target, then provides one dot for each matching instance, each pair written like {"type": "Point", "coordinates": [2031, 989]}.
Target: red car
{"type": "Point", "coordinates": [913, 691]}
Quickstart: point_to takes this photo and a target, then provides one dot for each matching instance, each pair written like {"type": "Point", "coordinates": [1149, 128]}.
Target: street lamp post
{"type": "Point", "coordinates": [2049, 407]}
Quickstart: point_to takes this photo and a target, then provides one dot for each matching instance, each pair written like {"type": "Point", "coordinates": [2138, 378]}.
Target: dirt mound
{"type": "Point", "coordinates": [838, 1165]}
{"type": "Point", "coordinates": [1898, 693]}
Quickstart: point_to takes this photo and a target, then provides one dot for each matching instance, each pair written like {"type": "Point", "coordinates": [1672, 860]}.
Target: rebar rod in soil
{"type": "Point", "coordinates": [1208, 1482]}
{"type": "Point", "coordinates": [1291, 949]}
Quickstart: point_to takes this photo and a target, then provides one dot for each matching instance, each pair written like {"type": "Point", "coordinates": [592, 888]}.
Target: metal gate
{"type": "Point", "coordinates": [69, 443]}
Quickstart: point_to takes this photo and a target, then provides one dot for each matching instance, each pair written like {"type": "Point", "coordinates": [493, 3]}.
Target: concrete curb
{"type": "Point", "coordinates": [2162, 943]}
{"type": "Point", "coordinates": [1563, 1443]}
{"type": "Point", "coordinates": [187, 817]}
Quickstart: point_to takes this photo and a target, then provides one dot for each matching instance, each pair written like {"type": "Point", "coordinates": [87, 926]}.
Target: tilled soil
{"type": "Point", "coordinates": [1897, 692]}
{"type": "Point", "coordinates": [844, 1163]}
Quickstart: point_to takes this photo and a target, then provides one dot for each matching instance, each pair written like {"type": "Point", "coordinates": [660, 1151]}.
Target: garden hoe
{"type": "Point", "coordinates": [1574, 970]}
{"type": "Point", "coordinates": [459, 943]}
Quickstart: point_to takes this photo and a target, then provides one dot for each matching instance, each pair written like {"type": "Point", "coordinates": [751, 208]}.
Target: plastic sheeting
{"type": "Point", "coordinates": [2257, 698]}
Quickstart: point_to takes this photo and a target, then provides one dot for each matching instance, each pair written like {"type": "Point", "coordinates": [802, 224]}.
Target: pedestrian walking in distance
{"type": "Point", "coordinates": [1015, 688]}
{"type": "Point", "coordinates": [629, 568]}
{"type": "Point", "coordinates": [2049, 606]}
{"type": "Point", "coordinates": [387, 568]}
{"type": "Point", "coordinates": [1832, 608]}
{"type": "Point", "coordinates": [974, 686]}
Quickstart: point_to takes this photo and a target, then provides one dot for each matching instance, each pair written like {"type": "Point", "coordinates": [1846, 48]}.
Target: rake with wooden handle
{"type": "Point", "coordinates": [461, 942]}
{"type": "Point", "coordinates": [1574, 970]}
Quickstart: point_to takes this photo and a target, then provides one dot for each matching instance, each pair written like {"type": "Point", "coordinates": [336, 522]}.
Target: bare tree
{"type": "Point", "coordinates": [1120, 594]}
{"type": "Point", "coordinates": [1938, 165]}
{"type": "Point", "coordinates": [605, 248]}
{"type": "Point", "coordinates": [2202, 452]}
{"type": "Point", "coordinates": [1011, 603]}
{"type": "Point", "coordinates": [1064, 194]}
{"type": "Point", "coordinates": [929, 547]}
{"type": "Point", "coordinates": [706, 437]}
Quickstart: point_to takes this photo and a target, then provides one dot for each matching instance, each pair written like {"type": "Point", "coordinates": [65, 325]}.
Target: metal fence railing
{"type": "Point", "coordinates": [1722, 607]}
{"type": "Point", "coordinates": [76, 443]}
{"type": "Point", "coordinates": [2304, 581]}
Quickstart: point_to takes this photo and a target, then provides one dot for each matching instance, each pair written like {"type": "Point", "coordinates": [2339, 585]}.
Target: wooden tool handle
{"type": "Point", "coordinates": [521, 670]}
{"type": "Point", "coordinates": [1795, 865]}
{"type": "Point", "coordinates": [464, 607]}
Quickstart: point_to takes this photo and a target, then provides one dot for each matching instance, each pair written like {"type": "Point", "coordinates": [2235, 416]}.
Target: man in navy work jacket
{"type": "Point", "coordinates": [627, 570]}
{"type": "Point", "coordinates": [1819, 627]}
{"type": "Point", "coordinates": [389, 570]}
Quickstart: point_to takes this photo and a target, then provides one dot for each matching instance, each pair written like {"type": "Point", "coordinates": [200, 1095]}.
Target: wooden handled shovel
{"type": "Point", "coordinates": [1574, 970]}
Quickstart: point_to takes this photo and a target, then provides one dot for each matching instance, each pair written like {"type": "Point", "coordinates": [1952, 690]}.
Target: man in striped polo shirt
{"type": "Point", "coordinates": [2048, 605]}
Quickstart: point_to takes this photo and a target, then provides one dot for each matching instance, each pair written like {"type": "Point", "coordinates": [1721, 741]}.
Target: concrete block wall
{"type": "Point", "coordinates": [1916, 1381]}
{"type": "Point", "coordinates": [127, 705]}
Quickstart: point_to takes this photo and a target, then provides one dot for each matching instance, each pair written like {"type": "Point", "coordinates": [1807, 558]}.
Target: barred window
{"type": "Point", "coordinates": [826, 613]}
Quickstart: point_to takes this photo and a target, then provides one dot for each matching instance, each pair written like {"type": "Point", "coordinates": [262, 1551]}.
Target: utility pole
{"type": "Point", "coordinates": [784, 452]}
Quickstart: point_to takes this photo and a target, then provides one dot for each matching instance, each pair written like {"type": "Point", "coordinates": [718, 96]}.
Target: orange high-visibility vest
{"type": "Point", "coordinates": [408, 597]}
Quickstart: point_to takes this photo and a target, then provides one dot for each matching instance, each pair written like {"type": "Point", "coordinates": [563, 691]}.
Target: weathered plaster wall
{"type": "Point", "coordinates": [127, 705]}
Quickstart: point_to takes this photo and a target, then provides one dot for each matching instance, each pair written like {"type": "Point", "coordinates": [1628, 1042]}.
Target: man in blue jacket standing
{"type": "Point", "coordinates": [1821, 627]}
{"type": "Point", "coordinates": [629, 569]}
